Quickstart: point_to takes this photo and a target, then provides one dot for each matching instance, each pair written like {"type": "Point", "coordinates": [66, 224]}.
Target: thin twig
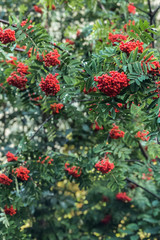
{"type": "Point", "coordinates": [145, 189]}
{"type": "Point", "coordinates": [6, 22]}
{"type": "Point", "coordinates": [150, 9]}
{"type": "Point", "coordinates": [22, 50]}
{"type": "Point", "coordinates": [143, 150]}
{"type": "Point", "coordinates": [103, 8]}
{"type": "Point", "coordinates": [40, 127]}
{"type": "Point", "coordinates": [17, 49]}
{"type": "Point", "coordinates": [155, 11]}
{"type": "Point", "coordinates": [142, 10]}
{"type": "Point", "coordinates": [133, 160]}
{"type": "Point", "coordinates": [37, 131]}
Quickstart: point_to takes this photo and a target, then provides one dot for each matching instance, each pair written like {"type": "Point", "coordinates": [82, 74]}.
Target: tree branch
{"type": "Point", "coordinates": [142, 10]}
{"type": "Point", "coordinates": [143, 150]}
{"type": "Point", "coordinates": [22, 50]}
{"type": "Point", "coordinates": [6, 22]}
{"type": "Point", "coordinates": [145, 189]}
{"type": "Point", "coordinates": [133, 160]}
{"type": "Point", "coordinates": [30, 139]}
{"type": "Point", "coordinates": [150, 9]}
{"type": "Point", "coordinates": [40, 127]}
{"type": "Point", "coordinates": [105, 11]}
{"type": "Point", "coordinates": [17, 49]}
{"type": "Point", "coordinates": [155, 11]}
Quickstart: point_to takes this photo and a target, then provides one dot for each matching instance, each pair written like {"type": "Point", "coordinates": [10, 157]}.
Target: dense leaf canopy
{"type": "Point", "coordinates": [80, 120]}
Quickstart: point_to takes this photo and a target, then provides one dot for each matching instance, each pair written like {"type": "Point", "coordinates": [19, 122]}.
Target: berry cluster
{"type": "Point", "coordinates": [94, 89]}
{"type": "Point", "coordinates": [70, 42]}
{"type": "Point", "coordinates": [51, 59]}
{"type": "Point", "coordinates": [142, 135]}
{"type": "Point", "coordinates": [106, 219]}
{"type": "Point", "coordinates": [12, 61]}
{"type": "Point", "coordinates": [36, 99]}
{"type": "Point", "coordinates": [78, 33]}
{"type": "Point", "coordinates": [152, 70]}
{"type": "Point", "coordinates": [22, 69]}
{"type": "Point", "coordinates": [50, 85]}
{"type": "Point", "coordinates": [1, 34]}
{"type": "Point", "coordinates": [18, 78]}
{"type": "Point", "coordinates": [130, 46]}
{"type": "Point", "coordinates": [56, 107]}
{"type": "Point", "coordinates": [7, 36]}
{"type": "Point", "coordinates": [116, 38]}
{"type": "Point", "coordinates": [96, 127]}
{"type": "Point", "coordinates": [128, 24]}
{"type": "Point", "coordinates": [119, 105]}
{"type": "Point", "coordinates": [46, 159]}
{"type": "Point", "coordinates": [112, 85]}
{"type": "Point", "coordinates": [105, 199]}
{"type": "Point", "coordinates": [5, 180]}
{"type": "Point", "coordinates": [23, 23]}
{"type": "Point", "coordinates": [38, 9]}
{"type": "Point", "coordinates": [21, 47]}
{"type": "Point", "coordinates": [74, 171]}
{"type": "Point", "coordinates": [11, 157]}
{"type": "Point", "coordinates": [131, 8]}
{"type": "Point", "coordinates": [29, 52]}
{"type": "Point", "coordinates": [148, 175]}
{"type": "Point", "coordinates": [104, 166]}
{"type": "Point", "coordinates": [22, 173]}
{"type": "Point", "coordinates": [17, 81]}
{"type": "Point", "coordinates": [116, 133]}
{"type": "Point", "coordinates": [53, 7]}
{"type": "Point", "coordinates": [122, 196]}
{"type": "Point", "coordinates": [10, 211]}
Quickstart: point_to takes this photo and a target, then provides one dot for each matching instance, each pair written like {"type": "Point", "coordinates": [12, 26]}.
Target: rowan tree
{"type": "Point", "coordinates": [80, 120]}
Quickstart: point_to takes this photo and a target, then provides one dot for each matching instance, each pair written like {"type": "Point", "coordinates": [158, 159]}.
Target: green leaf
{"type": "Point", "coordinates": [143, 54]}
{"type": "Point", "coordinates": [10, 20]}
{"type": "Point", "coordinates": [130, 68]}
{"type": "Point", "coordinates": [135, 54]}
{"type": "Point", "coordinates": [148, 56]}
{"type": "Point", "coordinates": [130, 57]}
{"type": "Point", "coordinates": [136, 68]}
{"type": "Point", "coordinates": [124, 58]}
{"type": "Point", "coordinates": [67, 79]}
{"type": "Point", "coordinates": [144, 68]}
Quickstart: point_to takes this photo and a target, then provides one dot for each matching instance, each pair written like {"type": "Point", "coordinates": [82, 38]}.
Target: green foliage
{"type": "Point", "coordinates": [53, 203]}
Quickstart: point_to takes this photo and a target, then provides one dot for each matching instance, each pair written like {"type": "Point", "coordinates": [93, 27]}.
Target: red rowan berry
{"type": "Point", "coordinates": [122, 196]}
{"type": "Point", "coordinates": [11, 157]}
{"type": "Point", "coordinates": [116, 38]}
{"type": "Point", "coordinates": [50, 85]}
{"type": "Point", "coordinates": [22, 173]}
{"type": "Point", "coordinates": [142, 134]}
{"type": "Point", "coordinates": [5, 180]}
{"type": "Point", "coordinates": [131, 8]}
{"type": "Point", "coordinates": [74, 171]}
{"type": "Point", "coordinates": [106, 219]}
{"type": "Point", "coordinates": [10, 211]}
{"type": "Point", "coordinates": [104, 166]}
{"type": "Point", "coordinates": [112, 85]}
{"type": "Point", "coordinates": [130, 46]}
{"type": "Point", "coordinates": [8, 36]}
{"type": "Point", "coordinates": [17, 81]}
{"type": "Point", "coordinates": [51, 59]}
{"type": "Point", "coordinates": [56, 107]}
{"type": "Point", "coordinates": [37, 9]}
{"type": "Point", "coordinates": [116, 133]}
